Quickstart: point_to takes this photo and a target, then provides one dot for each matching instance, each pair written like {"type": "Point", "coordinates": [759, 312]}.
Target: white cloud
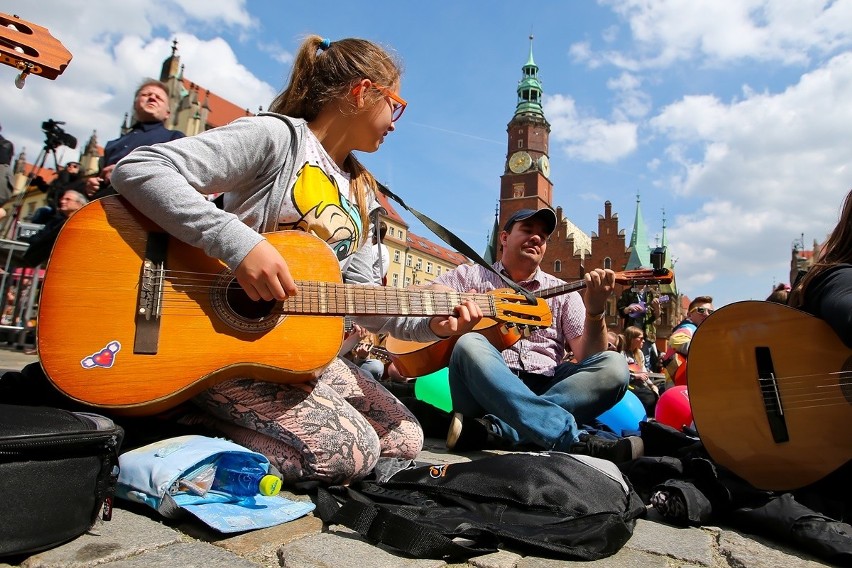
{"type": "Point", "coordinates": [766, 30]}
{"type": "Point", "coordinates": [588, 138]}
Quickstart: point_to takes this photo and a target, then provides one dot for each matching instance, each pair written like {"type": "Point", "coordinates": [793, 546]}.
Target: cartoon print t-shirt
{"type": "Point", "coordinates": [318, 203]}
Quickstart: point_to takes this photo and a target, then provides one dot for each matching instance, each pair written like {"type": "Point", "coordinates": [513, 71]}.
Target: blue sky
{"type": "Point", "coordinates": [732, 117]}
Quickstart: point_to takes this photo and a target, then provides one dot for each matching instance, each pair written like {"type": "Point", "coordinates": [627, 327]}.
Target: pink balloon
{"type": "Point", "coordinates": [673, 408]}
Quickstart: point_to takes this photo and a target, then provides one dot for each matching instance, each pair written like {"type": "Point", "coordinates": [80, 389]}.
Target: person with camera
{"type": "Point", "coordinates": [150, 110]}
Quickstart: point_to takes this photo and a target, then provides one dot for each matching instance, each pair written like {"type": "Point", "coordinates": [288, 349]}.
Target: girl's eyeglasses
{"type": "Point", "coordinates": [397, 103]}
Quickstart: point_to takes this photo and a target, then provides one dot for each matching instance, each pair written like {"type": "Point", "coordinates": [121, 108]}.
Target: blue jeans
{"type": "Point", "coordinates": [534, 408]}
{"type": "Point", "coordinates": [375, 367]}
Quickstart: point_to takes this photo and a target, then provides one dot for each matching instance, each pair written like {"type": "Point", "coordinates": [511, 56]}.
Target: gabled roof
{"type": "Point", "coordinates": [222, 111]}
{"type": "Point", "coordinates": [426, 246]}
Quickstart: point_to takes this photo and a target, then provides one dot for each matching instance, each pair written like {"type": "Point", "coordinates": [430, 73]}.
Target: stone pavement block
{"type": "Point", "coordinates": [126, 535]}
{"type": "Point", "coordinates": [688, 544]}
{"type": "Point", "coordinates": [344, 551]}
{"type": "Point", "coordinates": [742, 550]}
{"type": "Point", "coordinates": [499, 559]}
{"type": "Point", "coordinates": [185, 555]}
{"type": "Point", "coordinates": [624, 558]}
{"type": "Point", "coordinates": [261, 546]}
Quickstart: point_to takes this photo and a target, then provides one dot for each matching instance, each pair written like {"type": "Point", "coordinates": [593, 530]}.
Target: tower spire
{"type": "Point", "coordinates": [529, 88]}
{"type": "Point", "coordinates": [640, 252]}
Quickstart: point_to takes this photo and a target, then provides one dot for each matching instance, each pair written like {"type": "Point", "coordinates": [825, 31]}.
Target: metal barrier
{"type": "Point", "coordinates": [20, 287]}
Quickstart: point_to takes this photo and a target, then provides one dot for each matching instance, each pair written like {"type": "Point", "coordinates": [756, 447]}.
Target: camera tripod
{"type": "Point", "coordinates": [11, 221]}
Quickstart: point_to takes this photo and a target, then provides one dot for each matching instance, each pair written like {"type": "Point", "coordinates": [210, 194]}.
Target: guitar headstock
{"type": "Point", "coordinates": [31, 49]}
{"type": "Point", "coordinates": [514, 308]}
{"type": "Point", "coordinates": [644, 276]}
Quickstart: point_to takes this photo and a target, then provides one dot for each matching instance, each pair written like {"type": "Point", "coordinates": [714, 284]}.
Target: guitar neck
{"type": "Point", "coordinates": [333, 299]}
{"type": "Point", "coordinates": [559, 290]}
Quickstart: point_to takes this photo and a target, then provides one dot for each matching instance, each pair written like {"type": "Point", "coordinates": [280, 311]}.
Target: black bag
{"type": "Point", "coordinates": [58, 470]}
{"type": "Point", "coordinates": [547, 503]}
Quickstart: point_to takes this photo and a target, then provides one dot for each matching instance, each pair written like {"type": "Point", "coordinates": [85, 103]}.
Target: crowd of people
{"type": "Point", "coordinates": [294, 167]}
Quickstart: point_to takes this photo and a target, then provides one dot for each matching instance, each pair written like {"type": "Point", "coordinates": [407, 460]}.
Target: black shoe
{"type": "Point", "coordinates": [616, 451]}
{"type": "Point", "coordinates": [469, 434]}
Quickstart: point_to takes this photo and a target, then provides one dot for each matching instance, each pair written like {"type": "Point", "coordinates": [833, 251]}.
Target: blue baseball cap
{"type": "Point", "coordinates": [546, 214]}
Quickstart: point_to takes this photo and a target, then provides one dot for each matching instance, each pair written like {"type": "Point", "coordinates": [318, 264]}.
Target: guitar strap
{"type": "Point", "coordinates": [451, 239]}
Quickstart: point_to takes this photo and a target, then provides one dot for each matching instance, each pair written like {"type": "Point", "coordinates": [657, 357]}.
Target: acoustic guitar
{"type": "Point", "coordinates": [133, 320]}
{"type": "Point", "coordinates": [31, 49]}
{"type": "Point", "coordinates": [416, 359]}
{"type": "Point", "coordinates": [771, 394]}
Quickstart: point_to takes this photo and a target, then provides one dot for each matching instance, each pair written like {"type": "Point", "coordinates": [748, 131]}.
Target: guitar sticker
{"type": "Point", "coordinates": [103, 358]}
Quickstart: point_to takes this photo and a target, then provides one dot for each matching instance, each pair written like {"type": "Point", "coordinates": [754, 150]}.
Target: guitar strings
{"type": "Point", "coordinates": [333, 298]}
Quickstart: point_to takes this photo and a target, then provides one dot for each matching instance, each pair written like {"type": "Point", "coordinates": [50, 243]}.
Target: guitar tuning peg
{"type": "Point", "coordinates": [20, 80]}
{"type": "Point", "coordinates": [22, 76]}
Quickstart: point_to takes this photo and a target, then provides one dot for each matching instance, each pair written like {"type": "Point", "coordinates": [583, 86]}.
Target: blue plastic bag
{"type": "Point", "coordinates": [151, 475]}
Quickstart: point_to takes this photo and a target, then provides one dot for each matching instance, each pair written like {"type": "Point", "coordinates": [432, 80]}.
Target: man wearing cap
{"type": "Point", "coordinates": [528, 394]}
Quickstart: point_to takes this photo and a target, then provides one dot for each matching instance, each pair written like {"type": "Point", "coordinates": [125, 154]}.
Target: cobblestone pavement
{"type": "Point", "coordinates": [137, 537]}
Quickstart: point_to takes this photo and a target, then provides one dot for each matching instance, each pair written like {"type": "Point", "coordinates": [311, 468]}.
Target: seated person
{"type": "Point", "coordinates": [528, 394]}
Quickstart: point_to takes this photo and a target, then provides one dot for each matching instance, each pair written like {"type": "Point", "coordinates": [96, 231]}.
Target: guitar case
{"type": "Point", "coordinates": [58, 471]}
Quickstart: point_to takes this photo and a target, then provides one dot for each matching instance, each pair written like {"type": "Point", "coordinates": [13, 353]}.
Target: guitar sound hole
{"type": "Point", "coordinates": [244, 306]}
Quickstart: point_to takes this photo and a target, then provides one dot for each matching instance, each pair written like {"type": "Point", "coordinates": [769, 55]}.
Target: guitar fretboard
{"type": "Point", "coordinates": [334, 299]}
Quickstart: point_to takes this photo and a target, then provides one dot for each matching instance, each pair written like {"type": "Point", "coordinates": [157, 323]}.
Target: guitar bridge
{"type": "Point", "coordinates": [150, 300]}
{"type": "Point", "coordinates": [771, 397]}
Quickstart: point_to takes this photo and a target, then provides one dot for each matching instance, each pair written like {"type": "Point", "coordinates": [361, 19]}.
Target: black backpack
{"type": "Point", "coordinates": [548, 503]}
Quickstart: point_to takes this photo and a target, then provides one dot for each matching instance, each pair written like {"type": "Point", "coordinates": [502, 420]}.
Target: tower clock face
{"type": "Point", "coordinates": [544, 166]}
{"type": "Point", "coordinates": [519, 162]}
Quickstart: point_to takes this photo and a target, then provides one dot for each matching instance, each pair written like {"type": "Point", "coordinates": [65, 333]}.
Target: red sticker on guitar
{"type": "Point", "coordinates": [103, 358]}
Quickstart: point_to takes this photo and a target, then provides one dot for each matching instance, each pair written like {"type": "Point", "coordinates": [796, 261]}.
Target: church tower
{"type": "Point", "coordinates": [525, 182]}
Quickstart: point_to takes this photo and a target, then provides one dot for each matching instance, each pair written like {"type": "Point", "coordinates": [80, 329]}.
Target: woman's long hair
{"type": "Point", "coordinates": [836, 250]}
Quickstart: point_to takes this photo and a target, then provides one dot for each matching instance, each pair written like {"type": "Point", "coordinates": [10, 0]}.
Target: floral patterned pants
{"type": "Point", "coordinates": [333, 429]}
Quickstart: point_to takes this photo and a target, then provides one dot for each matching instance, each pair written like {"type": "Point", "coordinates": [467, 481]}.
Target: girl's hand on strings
{"type": "Point", "coordinates": [264, 274]}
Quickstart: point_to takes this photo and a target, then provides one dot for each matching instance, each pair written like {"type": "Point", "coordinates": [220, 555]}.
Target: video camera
{"type": "Point", "coordinates": [55, 136]}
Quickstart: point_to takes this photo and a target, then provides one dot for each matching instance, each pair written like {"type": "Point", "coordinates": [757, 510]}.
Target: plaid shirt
{"type": "Point", "coordinates": [544, 348]}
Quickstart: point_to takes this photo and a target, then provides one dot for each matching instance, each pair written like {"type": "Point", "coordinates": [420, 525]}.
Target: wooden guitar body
{"type": "Point", "coordinates": [88, 310]}
{"type": "Point", "coordinates": [771, 394]}
{"type": "Point", "coordinates": [415, 359]}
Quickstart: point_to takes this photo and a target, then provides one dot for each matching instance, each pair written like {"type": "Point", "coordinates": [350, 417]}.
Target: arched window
{"type": "Point", "coordinates": [608, 262]}
{"type": "Point", "coordinates": [557, 266]}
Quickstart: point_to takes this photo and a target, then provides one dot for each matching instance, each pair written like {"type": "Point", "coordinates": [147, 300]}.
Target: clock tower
{"type": "Point", "coordinates": [525, 183]}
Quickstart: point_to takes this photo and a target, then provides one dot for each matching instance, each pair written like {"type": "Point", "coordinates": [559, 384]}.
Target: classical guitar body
{"type": "Point", "coordinates": [415, 359]}
{"type": "Point", "coordinates": [771, 394]}
{"type": "Point", "coordinates": [88, 333]}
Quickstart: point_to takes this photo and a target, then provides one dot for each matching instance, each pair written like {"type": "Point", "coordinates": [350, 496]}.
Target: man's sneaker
{"type": "Point", "coordinates": [616, 451]}
{"type": "Point", "coordinates": [468, 434]}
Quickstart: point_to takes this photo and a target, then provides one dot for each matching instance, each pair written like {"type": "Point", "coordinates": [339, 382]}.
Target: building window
{"type": "Point", "coordinates": [557, 266]}
{"type": "Point", "coordinates": [419, 265]}
{"type": "Point", "coordinates": [520, 142]}
{"type": "Point", "coordinates": [518, 190]}
{"type": "Point", "coordinates": [439, 270]}
{"type": "Point", "coordinates": [408, 260]}
{"type": "Point", "coordinates": [396, 256]}
{"type": "Point", "coordinates": [395, 280]}
{"type": "Point", "coordinates": [608, 263]}
{"type": "Point", "coordinates": [428, 268]}
{"type": "Point", "coordinates": [407, 281]}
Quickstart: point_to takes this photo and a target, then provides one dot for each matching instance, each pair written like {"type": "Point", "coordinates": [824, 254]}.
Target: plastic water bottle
{"type": "Point", "coordinates": [243, 478]}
